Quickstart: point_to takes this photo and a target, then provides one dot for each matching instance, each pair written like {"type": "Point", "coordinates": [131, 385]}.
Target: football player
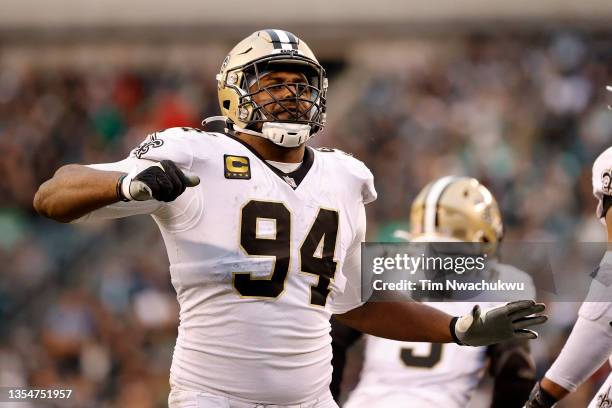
{"type": "Point", "coordinates": [408, 374]}
{"type": "Point", "coordinates": [263, 236]}
{"type": "Point", "coordinates": [590, 342]}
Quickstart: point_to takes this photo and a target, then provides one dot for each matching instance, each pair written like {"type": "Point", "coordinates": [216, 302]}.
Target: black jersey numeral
{"type": "Point", "coordinates": [316, 253]}
{"type": "Point", "coordinates": [428, 361]}
{"type": "Point", "coordinates": [278, 247]}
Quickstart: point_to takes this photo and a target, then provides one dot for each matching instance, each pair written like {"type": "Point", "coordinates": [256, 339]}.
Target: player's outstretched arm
{"type": "Point", "coordinates": [545, 394]}
{"type": "Point", "coordinates": [411, 321]}
{"type": "Point", "coordinates": [76, 190]}
{"type": "Point", "coordinates": [588, 346]}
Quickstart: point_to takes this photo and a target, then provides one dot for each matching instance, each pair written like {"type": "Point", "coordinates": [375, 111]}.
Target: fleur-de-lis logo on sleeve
{"type": "Point", "coordinates": [151, 142]}
{"type": "Point", "coordinates": [603, 399]}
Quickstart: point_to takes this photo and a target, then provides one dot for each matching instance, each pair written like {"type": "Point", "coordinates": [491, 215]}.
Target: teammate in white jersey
{"type": "Point", "coordinates": [430, 375]}
{"type": "Point", "coordinates": [267, 246]}
{"type": "Point", "coordinates": [590, 343]}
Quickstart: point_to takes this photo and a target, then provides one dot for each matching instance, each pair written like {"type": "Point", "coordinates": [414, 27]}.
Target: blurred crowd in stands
{"type": "Point", "coordinates": [91, 307]}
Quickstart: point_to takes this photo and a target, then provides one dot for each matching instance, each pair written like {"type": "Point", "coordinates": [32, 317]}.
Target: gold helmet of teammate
{"type": "Point", "coordinates": [456, 209]}
{"type": "Point", "coordinates": [259, 54]}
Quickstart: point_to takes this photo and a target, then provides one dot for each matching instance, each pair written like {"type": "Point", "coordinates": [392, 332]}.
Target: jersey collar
{"type": "Point", "coordinates": [294, 178]}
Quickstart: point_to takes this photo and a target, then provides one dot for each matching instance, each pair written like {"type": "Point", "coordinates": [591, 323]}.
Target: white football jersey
{"type": "Point", "coordinates": [603, 397]}
{"type": "Point", "coordinates": [587, 348]}
{"type": "Point", "coordinates": [426, 375]}
{"type": "Point", "coordinates": [590, 342]}
{"type": "Point", "coordinates": [259, 260]}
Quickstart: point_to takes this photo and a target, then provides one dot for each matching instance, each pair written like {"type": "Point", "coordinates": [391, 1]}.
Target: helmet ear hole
{"type": "Point", "coordinates": [226, 104]}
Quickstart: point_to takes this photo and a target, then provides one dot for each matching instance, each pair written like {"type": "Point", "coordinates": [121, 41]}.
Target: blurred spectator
{"type": "Point", "coordinates": [92, 308]}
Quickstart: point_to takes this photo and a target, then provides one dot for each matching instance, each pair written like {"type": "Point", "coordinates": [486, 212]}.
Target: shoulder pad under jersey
{"type": "Point", "coordinates": [355, 168]}
{"type": "Point", "coordinates": [176, 144]}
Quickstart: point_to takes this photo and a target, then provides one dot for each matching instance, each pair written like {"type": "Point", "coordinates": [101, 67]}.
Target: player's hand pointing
{"type": "Point", "coordinates": [163, 181]}
{"type": "Point", "coordinates": [511, 321]}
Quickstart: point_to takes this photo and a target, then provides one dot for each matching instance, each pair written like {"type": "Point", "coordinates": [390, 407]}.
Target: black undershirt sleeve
{"type": "Point", "coordinates": [513, 370]}
{"type": "Point", "coordinates": [343, 337]}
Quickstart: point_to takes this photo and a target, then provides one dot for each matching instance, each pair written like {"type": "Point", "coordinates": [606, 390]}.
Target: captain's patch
{"type": "Point", "coordinates": [237, 167]}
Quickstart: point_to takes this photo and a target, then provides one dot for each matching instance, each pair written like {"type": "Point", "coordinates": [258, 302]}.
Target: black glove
{"type": "Point", "coordinates": [510, 321]}
{"type": "Point", "coordinates": [163, 181]}
{"type": "Point", "coordinates": [539, 398]}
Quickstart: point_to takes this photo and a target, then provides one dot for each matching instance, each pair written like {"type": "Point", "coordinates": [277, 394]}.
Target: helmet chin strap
{"type": "Point", "coordinates": [214, 119]}
{"type": "Point", "coordinates": [280, 133]}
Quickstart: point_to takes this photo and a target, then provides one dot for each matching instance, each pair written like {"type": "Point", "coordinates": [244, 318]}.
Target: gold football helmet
{"type": "Point", "coordinates": [456, 209]}
{"type": "Point", "coordinates": [238, 81]}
